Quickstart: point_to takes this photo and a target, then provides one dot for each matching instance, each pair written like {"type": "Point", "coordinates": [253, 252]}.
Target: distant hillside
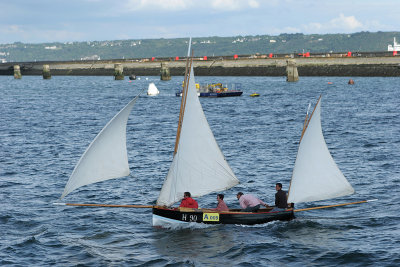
{"type": "Point", "coordinates": [204, 46]}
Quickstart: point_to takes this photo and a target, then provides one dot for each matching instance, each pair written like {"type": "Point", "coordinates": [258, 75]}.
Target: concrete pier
{"type": "Point", "coordinates": [164, 72]}
{"type": "Point", "coordinates": [46, 72]}
{"type": "Point", "coordinates": [118, 71]}
{"type": "Point", "coordinates": [17, 72]}
{"type": "Point", "coordinates": [385, 66]}
{"type": "Point", "coordinates": [291, 71]}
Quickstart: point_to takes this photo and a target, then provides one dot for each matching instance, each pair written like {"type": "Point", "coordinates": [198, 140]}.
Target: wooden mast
{"type": "Point", "coordinates": [307, 122]}
{"type": "Point", "coordinates": [189, 61]}
{"type": "Point", "coordinates": [304, 126]}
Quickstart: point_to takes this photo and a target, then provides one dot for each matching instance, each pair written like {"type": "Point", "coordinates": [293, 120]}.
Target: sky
{"type": "Point", "coordinates": [44, 21]}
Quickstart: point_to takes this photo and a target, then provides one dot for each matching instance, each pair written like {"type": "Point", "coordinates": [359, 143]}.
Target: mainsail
{"type": "Point", "coordinates": [106, 157]}
{"type": "Point", "coordinates": [199, 166]}
{"type": "Point", "coordinates": [316, 175]}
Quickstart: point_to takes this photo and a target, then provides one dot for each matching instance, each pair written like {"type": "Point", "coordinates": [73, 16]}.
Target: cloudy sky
{"type": "Point", "coordinates": [37, 21]}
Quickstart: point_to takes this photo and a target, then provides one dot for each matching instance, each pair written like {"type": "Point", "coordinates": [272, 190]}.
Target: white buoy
{"type": "Point", "coordinates": [152, 90]}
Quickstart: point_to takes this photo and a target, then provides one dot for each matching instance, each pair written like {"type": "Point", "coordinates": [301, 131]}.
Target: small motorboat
{"type": "Point", "coordinates": [213, 90]}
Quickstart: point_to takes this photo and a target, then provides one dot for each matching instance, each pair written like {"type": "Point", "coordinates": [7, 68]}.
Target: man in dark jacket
{"type": "Point", "coordinates": [280, 198]}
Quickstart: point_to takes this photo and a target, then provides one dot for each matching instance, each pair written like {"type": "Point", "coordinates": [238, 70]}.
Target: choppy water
{"type": "Point", "coordinates": [45, 125]}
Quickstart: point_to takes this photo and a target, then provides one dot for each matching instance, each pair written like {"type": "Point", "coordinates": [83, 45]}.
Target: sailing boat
{"type": "Point", "coordinates": [199, 167]}
{"type": "Point", "coordinates": [315, 177]}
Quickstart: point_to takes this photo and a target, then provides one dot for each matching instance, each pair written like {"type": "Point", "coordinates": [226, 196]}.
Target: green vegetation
{"type": "Point", "coordinates": [204, 46]}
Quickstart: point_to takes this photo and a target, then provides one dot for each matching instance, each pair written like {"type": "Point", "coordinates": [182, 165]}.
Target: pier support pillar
{"type": "Point", "coordinates": [291, 71]}
{"type": "Point", "coordinates": [46, 72]}
{"type": "Point", "coordinates": [17, 72]}
{"type": "Point", "coordinates": [118, 71]}
{"type": "Point", "coordinates": [165, 74]}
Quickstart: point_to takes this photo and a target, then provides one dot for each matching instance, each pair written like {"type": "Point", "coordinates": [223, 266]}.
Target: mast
{"type": "Point", "coordinates": [305, 122]}
{"type": "Point", "coordinates": [189, 61]}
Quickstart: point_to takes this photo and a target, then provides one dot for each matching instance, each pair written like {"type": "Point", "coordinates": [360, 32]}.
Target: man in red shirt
{"type": "Point", "coordinates": [188, 202]}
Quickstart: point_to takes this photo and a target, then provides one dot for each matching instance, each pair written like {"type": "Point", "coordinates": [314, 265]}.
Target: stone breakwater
{"type": "Point", "coordinates": [314, 66]}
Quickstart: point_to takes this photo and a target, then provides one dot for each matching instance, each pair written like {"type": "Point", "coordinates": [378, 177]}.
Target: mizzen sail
{"type": "Point", "coordinates": [106, 157]}
{"type": "Point", "coordinates": [316, 175]}
{"type": "Point", "coordinates": [198, 165]}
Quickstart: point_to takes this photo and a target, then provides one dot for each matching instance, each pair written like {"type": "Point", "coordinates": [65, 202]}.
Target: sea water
{"type": "Point", "coordinates": [46, 125]}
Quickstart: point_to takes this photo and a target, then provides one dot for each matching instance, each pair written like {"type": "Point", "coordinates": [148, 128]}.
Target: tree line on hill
{"type": "Point", "coordinates": [202, 46]}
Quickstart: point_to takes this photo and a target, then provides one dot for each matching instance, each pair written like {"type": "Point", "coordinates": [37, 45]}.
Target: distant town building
{"type": "Point", "coordinates": [94, 57]}
{"type": "Point", "coordinates": [207, 42]}
{"type": "Point", "coordinates": [238, 41]}
{"type": "Point", "coordinates": [50, 47]}
{"type": "Point", "coordinates": [395, 46]}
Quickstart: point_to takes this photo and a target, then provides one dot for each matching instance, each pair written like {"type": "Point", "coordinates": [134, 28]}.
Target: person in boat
{"type": "Point", "coordinates": [221, 203]}
{"type": "Point", "coordinates": [280, 198]}
{"type": "Point", "coordinates": [188, 201]}
{"type": "Point", "coordinates": [249, 203]}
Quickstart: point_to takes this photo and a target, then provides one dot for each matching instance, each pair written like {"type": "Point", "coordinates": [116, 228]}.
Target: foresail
{"type": "Point", "coordinates": [106, 157]}
{"type": "Point", "coordinates": [199, 166]}
{"type": "Point", "coordinates": [316, 175]}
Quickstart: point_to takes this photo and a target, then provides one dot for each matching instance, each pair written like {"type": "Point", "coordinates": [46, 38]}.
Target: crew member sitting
{"type": "Point", "coordinates": [249, 203]}
{"type": "Point", "coordinates": [280, 198]}
{"type": "Point", "coordinates": [188, 202]}
{"type": "Point", "coordinates": [221, 204]}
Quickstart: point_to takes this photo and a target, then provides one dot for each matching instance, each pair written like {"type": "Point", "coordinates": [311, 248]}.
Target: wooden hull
{"type": "Point", "coordinates": [163, 216]}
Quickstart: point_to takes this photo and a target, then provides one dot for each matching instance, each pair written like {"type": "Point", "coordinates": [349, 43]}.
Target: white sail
{"type": "Point", "coordinates": [316, 175]}
{"type": "Point", "coordinates": [152, 89]}
{"type": "Point", "coordinates": [106, 157]}
{"type": "Point", "coordinates": [199, 166]}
